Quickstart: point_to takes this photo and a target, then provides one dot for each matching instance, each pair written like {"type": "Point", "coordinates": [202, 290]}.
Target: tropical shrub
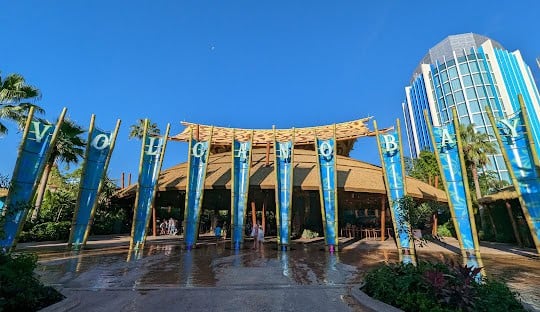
{"type": "Point", "coordinates": [309, 234]}
{"type": "Point", "coordinates": [48, 231]}
{"type": "Point", "coordinates": [438, 287]}
{"type": "Point", "coordinates": [446, 230]}
{"type": "Point", "coordinates": [20, 290]}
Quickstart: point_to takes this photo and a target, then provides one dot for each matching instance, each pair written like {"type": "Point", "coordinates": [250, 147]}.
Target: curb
{"type": "Point", "coordinates": [71, 301]}
{"type": "Point", "coordinates": [370, 303]}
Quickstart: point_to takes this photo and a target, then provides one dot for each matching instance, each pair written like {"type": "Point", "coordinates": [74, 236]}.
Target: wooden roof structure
{"type": "Point", "coordinates": [507, 193]}
{"type": "Point", "coordinates": [353, 176]}
{"type": "Point", "coordinates": [223, 135]}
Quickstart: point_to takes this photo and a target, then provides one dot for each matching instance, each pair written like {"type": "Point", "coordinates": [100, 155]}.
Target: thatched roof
{"type": "Point", "coordinates": [353, 175]}
{"type": "Point", "coordinates": [223, 135]}
{"type": "Point", "coordinates": [507, 193]}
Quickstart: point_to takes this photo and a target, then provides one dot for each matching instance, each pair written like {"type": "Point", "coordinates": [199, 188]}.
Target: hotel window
{"type": "Point", "coordinates": [455, 84]}
{"type": "Point", "coordinates": [481, 92]}
{"type": "Point", "coordinates": [452, 72]}
{"type": "Point", "coordinates": [449, 100]}
{"type": "Point", "coordinates": [467, 81]}
{"type": "Point", "coordinates": [490, 91]}
{"type": "Point", "coordinates": [483, 103]}
{"type": "Point", "coordinates": [464, 120]}
{"type": "Point", "coordinates": [470, 93]}
{"type": "Point", "coordinates": [477, 119]}
{"type": "Point", "coordinates": [463, 68]}
{"type": "Point", "coordinates": [462, 109]}
{"type": "Point", "coordinates": [477, 80]}
{"type": "Point", "coordinates": [482, 66]}
{"type": "Point", "coordinates": [474, 107]}
{"type": "Point", "coordinates": [458, 95]}
{"type": "Point", "coordinates": [446, 88]}
{"type": "Point", "coordinates": [444, 76]}
{"type": "Point", "coordinates": [474, 67]}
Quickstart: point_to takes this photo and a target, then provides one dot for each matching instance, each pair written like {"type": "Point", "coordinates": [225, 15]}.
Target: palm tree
{"type": "Point", "coordinates": [13, 91]}
{"type": "Point", "coordinates": [476, 148]}
{"type": "Point", "coordinates": [137, 130]}
{"type": "Point", "coordinates": [68, 149]}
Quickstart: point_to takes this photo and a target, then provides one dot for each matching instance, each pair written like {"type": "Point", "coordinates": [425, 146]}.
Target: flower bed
{"type": "Point", "coordinates": [438, 287]}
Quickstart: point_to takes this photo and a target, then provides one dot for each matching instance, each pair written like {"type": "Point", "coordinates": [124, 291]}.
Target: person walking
{"type": "Point", "coordinates": [255, 235]}
{"type": "Point", "coordinates": [260, 236]}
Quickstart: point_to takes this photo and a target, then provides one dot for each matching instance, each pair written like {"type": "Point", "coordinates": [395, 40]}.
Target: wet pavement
{"type": "Point", "coordinates": [214, 277]}
{"type": "Point", "coordinates": [211, 277]}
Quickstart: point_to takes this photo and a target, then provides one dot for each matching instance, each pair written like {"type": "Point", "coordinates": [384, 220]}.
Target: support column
{"type": "Point", "coordinates": [253, 213]}
{"type": "Point", "coordinates": [513, 221]}
{"type": "Point", "coordinates": [383, 217]}
{"type": "Point", "coordinates": [154, 230]}
{"type": "Point", "coordinates": [263, 219]}
{"type": "Point", "coordinates": [435, 220]}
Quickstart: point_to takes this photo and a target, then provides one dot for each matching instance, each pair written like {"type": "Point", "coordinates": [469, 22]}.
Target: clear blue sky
{"type": "Point", "coordinates": [246, 64]}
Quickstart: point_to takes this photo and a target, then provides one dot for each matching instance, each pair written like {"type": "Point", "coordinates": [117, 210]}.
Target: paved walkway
{"type": "Point", "coordinates": [213, 277]}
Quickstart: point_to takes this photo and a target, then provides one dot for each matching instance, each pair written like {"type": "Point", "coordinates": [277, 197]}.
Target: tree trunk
{"type": "Point", "coordinates": [41, 189]}
{"type": "Point", "coordinates": [481, 211]}
{"type": "Point", "coordinates": [514, 224]}
{"type": "Point", "coordinates": [491, 221]}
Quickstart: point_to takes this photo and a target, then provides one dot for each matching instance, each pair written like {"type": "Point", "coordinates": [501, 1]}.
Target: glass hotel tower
{"type": "Point", "coordinates": [469, 72]}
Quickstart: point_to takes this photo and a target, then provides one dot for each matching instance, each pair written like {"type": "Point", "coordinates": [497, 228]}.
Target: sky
{"type": "Point", "coordinates": [243, 64]}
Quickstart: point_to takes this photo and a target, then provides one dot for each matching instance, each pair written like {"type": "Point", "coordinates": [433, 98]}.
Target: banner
{"type": "Point", "coordinates": [390, 151]}
{"type": "Point", "coordinates": [35, 148]}
{"type": "Point", "coordinates": [99, 148]}
{"type": "Point", "coordinates": [197, 164]}
{"type": "Point", "coordinates": [521, 158]}
{"type": "Point", "coordinates": [326, 165]}
{"type": "Point", "coordinates": [152, 152]}
{"type": "Point", "coordinates": [283, 168]}
{"type": "Point", "coordinates": [448, 151]}
{"type": "Point", "coordinates": [241, 165]}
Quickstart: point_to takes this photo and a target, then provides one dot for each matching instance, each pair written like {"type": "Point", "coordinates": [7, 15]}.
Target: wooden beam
{"type": "Point", "coordinates": [154, 230]}
{"type": "Point", "coordinates": [514, 225]}
{"type": "Point", "coordinates": [263, 219]}
{"type": "Point", "coordinates": [383, 217]}
{"type": "Point", "coordinates": [253, 213]}
{"type": "Point", "coordinates": [267, 155]}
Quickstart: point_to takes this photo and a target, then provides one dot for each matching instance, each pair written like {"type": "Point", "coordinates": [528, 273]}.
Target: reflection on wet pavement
{"type": "Point", "coordinates": [216, 265]}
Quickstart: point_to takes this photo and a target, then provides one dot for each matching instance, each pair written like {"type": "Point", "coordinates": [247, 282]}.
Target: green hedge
{"type": "Point", "coordinates": [20, 290]}
{"type": "Point", "coordinates": [438, 287]}
{"type": "Point", "coordinates": [48, 231]}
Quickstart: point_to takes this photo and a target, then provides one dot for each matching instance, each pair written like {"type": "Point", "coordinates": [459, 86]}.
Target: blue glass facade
{"type": "Point", "coordinates": [515, 83]}
{"type": "Point", "coordinates": [461, 75]}
{"type": "Point", "coordinates": [467, 83]}
{"type": "Point", "coordinates": [418, 103]}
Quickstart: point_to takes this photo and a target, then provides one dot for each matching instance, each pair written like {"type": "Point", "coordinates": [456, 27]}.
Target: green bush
{"type": "Point", "coordinates": [438, 287]}
{"type": "Point", "coordinates": [309, 234]}
{"type": "Point", "coordinates": [48, 231]}
{"type": "Point", "coordinates": [446, 230]}
{"type": "Point", "coordinates": [20, 290]}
